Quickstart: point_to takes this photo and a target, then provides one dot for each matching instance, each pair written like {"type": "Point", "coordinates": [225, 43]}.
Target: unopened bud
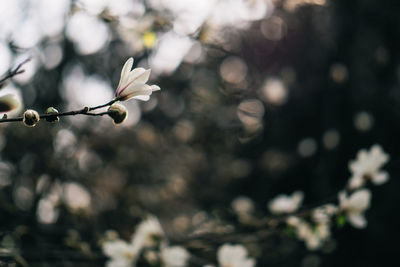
{"type": "Point", "coordinates": [52, 111]}
{"type": "Point", "coordinates": [118, 113]}
{"type": "Point", "coordinates": [30, 117]}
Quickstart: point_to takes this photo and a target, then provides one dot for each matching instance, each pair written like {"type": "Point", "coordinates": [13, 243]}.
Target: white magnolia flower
{"type": "Point", "coordinates": [175, 256]}
{"type": "Point", "coordinates": [242, 205]}
{"type": "Point", "coordinates": [286, 204]}
{"type": "Point", "coordinates": [324, 213]}
{"type": "Point", "coordinates": [234, 256]}
{"type": "Point", "coordinates": [133, 83]}
{"type": "Point", "coordinates": [148, 233]}
{"type": "Point", "coordinates": [367, 167]}
{"type": "Point", "coordinates": [355, 205]}
{"type": "Point", "coordinates": [122, 254]}
{"type": "Point", "coordinates": [314, 235]}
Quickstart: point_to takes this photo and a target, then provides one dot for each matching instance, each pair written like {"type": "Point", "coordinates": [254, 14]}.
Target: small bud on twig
{"type": "Point", "coordinates": [118, 113]}
{"type": "Point", "coordinates": [52, 110]}
{"type": "Point", "coordinates": [30, 118]}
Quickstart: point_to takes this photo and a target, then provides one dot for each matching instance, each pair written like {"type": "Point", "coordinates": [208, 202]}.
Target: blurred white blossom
{"type": "Point", "coordinates": [133, 83]}
{"type": "Point", "coordinates": [148, 233]}
{"type": "Point", "coordinates": [367, 167]}
{"type": "Point", "coordinates": [234, 256]}
{"type": "Point", "coordinates": [174, 256]}
{"type": "Point", "coordinates": [242, 205]}
{"type": "Point", "coordinates": [354, 206]}
{"type": "Point", "coordinates": [286, 204]}
{"type": "Point", "coordinates": [122, 254]}
{"type": "Point", "coordinates": [314, 235]}
{"type": "Point", "coordinates": [324, 213]}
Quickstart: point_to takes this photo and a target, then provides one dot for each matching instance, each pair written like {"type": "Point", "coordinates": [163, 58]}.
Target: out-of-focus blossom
{"type": "Point", "coordinates": [324, 213]}
{"type": "Point", "coordinates": [367, 167]}
{"type": "Point", "coordinates": [354, 206]}
{"type": "Point", "coordinates": [242, 205]}
{"type": "Point", "coordinates": [133, 83]}
{"type": "Point", "coordinates": [314, 236]}
{"type": "Point", "coordinates": [286, 204]}
{"type": "Point", "coordinates": [122, 254]}
{"type": "Point", "coordinates": [165, 60]}
{"type": "Point", "coordinates": [75, 196]}
{"type": "Point", "coordinates": [148, 233]}
{"type": "Point", "coordinates": [234, 256]}
{"type": "Point", "coordinates": [79, 30]}
{"type": "Point", "coordinates": [175, 256]}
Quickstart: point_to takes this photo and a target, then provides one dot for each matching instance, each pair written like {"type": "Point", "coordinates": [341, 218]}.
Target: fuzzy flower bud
{"type": "Point", "coordinates": [30, 118]}
{"type": "Point", "coordinates": [52, 111]}
{"type": "Point", "coordinates": [118, 113]}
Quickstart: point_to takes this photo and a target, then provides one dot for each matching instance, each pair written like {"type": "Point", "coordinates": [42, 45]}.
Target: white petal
{"type": "Point", "coordinates": [175, 256]}
{"type": "Point", "coordinates": [142, 97]}
{"type": "Point", "coordinates": [360, 200]}
{"type": "Point", "coordinates": [139, 75]}
{"type": "Point", "coordinates": [356, 181]}
{"type": "Point", "coordinates": [135, 74]}
{"type": "Point", "coordinates": [119, 263]}
{"type": "Point", "coordinates": [357, 220]}
{"type": "Point", "coordinates": [249, 263]}
{"type": "Point", "coordinates": [125, 74]}
{"type": "Point", "coordinates": [114, 248]}
{"type": "Point", "coordinates": [380, 178]}
{"type": "Point", "coordinates": [135, 90]}
{"type": "Point", "coordinates": [342, 199]}
{"type": "Point", "coordinates": [155, 88]}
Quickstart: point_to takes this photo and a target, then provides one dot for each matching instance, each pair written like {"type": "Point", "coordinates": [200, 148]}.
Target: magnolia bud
{"type": "Point", "coordinates": [51, 111]}
{"type": "Point", "coordinates": [118, 113]}
{"type": "Point", "coordinates": [30, 117]}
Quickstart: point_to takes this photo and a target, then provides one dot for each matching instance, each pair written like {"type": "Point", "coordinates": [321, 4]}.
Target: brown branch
{"type": "Point", "coordinates": [84, 111]}
{"type": "Point", "coordinates": [16, 71]}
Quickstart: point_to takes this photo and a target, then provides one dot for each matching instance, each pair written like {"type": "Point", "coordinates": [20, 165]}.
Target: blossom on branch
{"type": "Point", "coordinates": [174, 256]}
{"type": "Point", "coordinates": [149, 233]}
{"type": "Point", "coordinates": [354, 206]}
{"type": "Point", "coordinates": [234, 256]}
{"type": "Point", "coordinates": [286, 204]}
{"type": "Point", "coordinates": [314, 235]}
{"type": "Point", "coordinates": [122, 253]}
{"type": "Point", "coordinates": [367, 167]}
{"type": "Point", "coordinates": [133, 83]}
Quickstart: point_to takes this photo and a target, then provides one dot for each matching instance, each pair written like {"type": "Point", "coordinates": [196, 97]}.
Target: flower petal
{"type": "Point", "coordinates": [135, 91]}
{"type": "Point", "coordinates": [126, 69]}
{"type": "Point", "coordinates": [357, 220]}
{"type": "Point", "coordinates": [139, 75]}
{"type": "Point", "coordinates": [380, 178]}
{"type": "Point", "coordinates": [155, 88]}
{"type": "Point", "coordinates": [360, 200]}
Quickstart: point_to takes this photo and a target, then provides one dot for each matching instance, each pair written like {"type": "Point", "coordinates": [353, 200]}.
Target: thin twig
{"type": "Point", "coordinates": [16, 71]}
{"type": "Point", "coordinates": [84, 111]}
